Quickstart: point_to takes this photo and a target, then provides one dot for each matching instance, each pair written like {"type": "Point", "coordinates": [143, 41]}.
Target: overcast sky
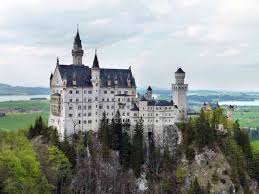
{"type": "Point", "coordinates": [215, 41]}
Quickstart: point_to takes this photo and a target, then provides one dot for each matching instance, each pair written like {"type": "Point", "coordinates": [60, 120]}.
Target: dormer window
{"type": "Point", "coordinates": [74, 83]}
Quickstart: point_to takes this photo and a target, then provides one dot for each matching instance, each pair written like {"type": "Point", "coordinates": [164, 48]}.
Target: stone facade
{"type": "Point", "coordinates": [80, 95]}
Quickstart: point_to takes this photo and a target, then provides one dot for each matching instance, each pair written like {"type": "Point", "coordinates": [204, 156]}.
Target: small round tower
{"type": "Point", "coordinates": [179, 90]}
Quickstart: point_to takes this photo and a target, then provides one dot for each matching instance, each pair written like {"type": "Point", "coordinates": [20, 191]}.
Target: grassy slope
{"type": "Point", "coordinates": [23, 120]}
{"type": "Point", "coordinates": [20, 121]}
{"type": "Point", "coordinates": [247, 116]}
{"type": "Point", "coordinates": [255, 145]}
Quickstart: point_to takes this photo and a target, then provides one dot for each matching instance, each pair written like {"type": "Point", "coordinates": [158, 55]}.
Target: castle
{"type": "Point", "coordinates": [80, 95]}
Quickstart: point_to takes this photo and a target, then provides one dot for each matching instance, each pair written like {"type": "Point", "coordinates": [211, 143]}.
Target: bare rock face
{"type": "Point", "coordinates": [171, 138]}
{"type": "Point", "coordinates": [210, 166]}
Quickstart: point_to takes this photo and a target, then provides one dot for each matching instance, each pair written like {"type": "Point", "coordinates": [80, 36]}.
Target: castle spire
{"type": "Point", "coordinates": [57, 61]}
{"type": "Point", "coordinates": [77, 51]}
{"type": "Point", "coordinates": [96, 62]}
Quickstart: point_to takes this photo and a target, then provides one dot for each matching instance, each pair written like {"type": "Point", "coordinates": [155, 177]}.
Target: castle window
{"type": "Point", "coordinates": [70, 115]}
{"type": "Point", "coordinates": [77, 91]}
{"type": "Point", "coordinates": [79, 107]}
{"type": "Point", "coordinates": [89, 114]}
{"type": "Point", "coordinates": [77, 100]}
{"type": "Point", "coordinates": [89, 100]}
{"type": "Point", "coordinates": [119, 99]}
{"type": "Point", "coordinates": [157, 121]}
{"type": "Point", "coordinates": [127, 113]}
{"type": "Point", "coordinates": [85, 91]}
{"type": "Point", "coordinates": [84, 107]}
{"type": "Point", "coordinates": [89, 121]}
{"type": "Point", "coordinates": [79, 115]}
{"type": "Point", "coordinates": [128, 107]}
{"type": "Point", "coordinates": [89, 107]}
{"type": "Point", "coordinates": [112, 92]}
{"type": "Point", "coordinates": [156, 108]}
{"type": "Point", "coordinates": [89, 92]}
{"type": "Point", "coordinates": [165, 108]}
{"type": "Point", "coordinates": [100, 107]}
{"type": "Point", "coordinates": [108, 107]}
{"type": "Point", "coordinates": [112, 99]}
{"type": "Point", "coordinates": [70, 107]}
{"type": "Point", "coordinates": [169, 108]}
{"type": "Point", "coordinates": [74, 83]}
{"type": "Point", "coordinates": [157, 115]}
{"type": "Point", "coordinates": [70, 100]}
{"type": "Point", "coordinates": [105, 91]}
{"type": "Point", "coordinates": [112, 107]}
{"type": "Point", "coordinates": [128, 99]}
{"type": "Point", "coordinates": [96, 98]}
{"type": "Point", "coordinates": [84, 114]}
{"type": "Point", "coordinates": [125, 92]}
{"type": "Point", "coordinates": [70, 91]}
{"type": "Point", "coordinates": [103, 99]}
{"type": "Point", "coordinates": [84, 121]}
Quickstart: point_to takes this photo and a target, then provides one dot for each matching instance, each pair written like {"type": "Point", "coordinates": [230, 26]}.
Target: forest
{"type": "Point", "coordinates": [113, 160]}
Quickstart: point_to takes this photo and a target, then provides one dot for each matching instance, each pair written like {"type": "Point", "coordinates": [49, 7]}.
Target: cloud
{"type": "Point", "coordinates": [205, 37]}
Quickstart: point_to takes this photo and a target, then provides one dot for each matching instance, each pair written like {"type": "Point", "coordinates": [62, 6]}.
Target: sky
{"type": "Point", "coordinates": [216, 42]}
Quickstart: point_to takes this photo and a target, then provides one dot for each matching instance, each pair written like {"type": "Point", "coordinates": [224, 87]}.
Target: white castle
{"type": "Point", "coordinates": [80, 95]}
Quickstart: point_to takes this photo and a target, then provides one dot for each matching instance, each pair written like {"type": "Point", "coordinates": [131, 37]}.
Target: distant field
{"type": "Point", "coordinates": [15, 121]}
{"type": "Point", "coordinates": [26, 105]}
{"type": "Point", "coordinates": [247, 116]}
{"type": "Point", "coordinates": [20, 121]}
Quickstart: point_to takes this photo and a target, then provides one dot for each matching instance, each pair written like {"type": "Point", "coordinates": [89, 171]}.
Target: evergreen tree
{"type": "Point", "coordinates": [204, 132]}
{"type": "Point", "coordinates": [116, 132]}
{"type": "Point", "coordinates": [125, 148]}
{"type": "Point", "coordinates": [138, 148]}
{"type": "Point", "coordinates": [103, 135]}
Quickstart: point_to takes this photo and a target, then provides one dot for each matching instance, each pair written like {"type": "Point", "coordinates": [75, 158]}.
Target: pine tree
{"type": "Point", "coordinates": [125, 148]}
{"type": "Point", "coordinates": [116, 132]}
{"type": "Point", "coordinates": [138, 148]}
{"type": "Point", "coordinates": [103, 135]}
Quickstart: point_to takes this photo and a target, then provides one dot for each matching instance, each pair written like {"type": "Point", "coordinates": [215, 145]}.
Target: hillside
{"type": "Point", "coordinates": [6, 89]}
{"type": "Point", "coordinates": [205, 160]}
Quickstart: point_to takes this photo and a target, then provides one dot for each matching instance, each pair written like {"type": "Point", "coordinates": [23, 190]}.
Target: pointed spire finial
{"type": "Point", "coordinates": [96, 52]}
{"type": "Point", "coordinates": [57, 61]}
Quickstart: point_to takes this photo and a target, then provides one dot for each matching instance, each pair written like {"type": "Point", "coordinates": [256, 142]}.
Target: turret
{"type": "Point", "coordinates": [77, 51]}
{"type": "Point", "coordinates": [149, 93]}
{"type": "Point", "coordinates": [95, 68]}
{"type": "Point", "coordinates": [179, 90]}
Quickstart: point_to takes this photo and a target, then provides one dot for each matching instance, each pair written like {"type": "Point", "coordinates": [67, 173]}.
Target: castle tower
{"type": "Point", "coordinates": [179, 90]}
{"type": "Point", "coordinates": [230, 110]}
{"type": "Point", "coordinates": [77, 51]}
{"type": "Point", "coordinates": [96, 81]}
{"type": "Point", "coordinates": [149, 93]}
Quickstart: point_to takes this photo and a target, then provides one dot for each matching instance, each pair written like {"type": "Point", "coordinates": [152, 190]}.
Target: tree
{"type": "Point", "coordinates": [125, 148]}
{"type": "Point", "coordinates": [138, 148]}
{"type": "Point", "coordinates": [60, 166]}
{"type": "Point", "coordinates": [204, 132]}
{"type": "Point", "coordinates": [116, 132]}
{"type": "Point", "coordinates": [103, 135]}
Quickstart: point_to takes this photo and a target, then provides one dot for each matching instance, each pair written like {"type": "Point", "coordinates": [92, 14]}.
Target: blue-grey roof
{"type": "Point", "coordinates": [180, 70]}
{"type": "Point", "coordinates": [82, 75]}
{"type": "Point", "coordinates": [160, 103]}
{"type": "Point", "coordinates": [120, 75]}
{"type": "Point", "coordinates": [79, 73]}
{"type": "Point", "coordinates": [135, 108]}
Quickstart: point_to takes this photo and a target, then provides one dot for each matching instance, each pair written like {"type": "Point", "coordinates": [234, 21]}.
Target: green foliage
{"type": "Point", "coordinates": [138, 148]}
{"type": "Point", "coordinates": [116, 129]}
{"type": "Point", "coordinates": [104, 136]}
{"type": "Point", "coordinates": [180, 174]}
{"type": "Point", "coordinates": [190, 152]}
{"type": "Point", "coordinates": [166, 186]}
{"type": "Point", "coordinates": [20, 170]}
{"type": "Point", "coordinates": [125, 148]}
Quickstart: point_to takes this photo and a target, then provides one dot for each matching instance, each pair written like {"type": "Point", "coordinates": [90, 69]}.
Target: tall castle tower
{"type": "Point", "coordinates": [77, 51]}
{"type": "Point", "coordinates": [179, 92]}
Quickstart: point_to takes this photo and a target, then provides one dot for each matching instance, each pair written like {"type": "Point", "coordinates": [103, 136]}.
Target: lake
{"type": "Point", "coordinates": [21, 97]}
{"type": "Point", "coordinates": [240, 103]}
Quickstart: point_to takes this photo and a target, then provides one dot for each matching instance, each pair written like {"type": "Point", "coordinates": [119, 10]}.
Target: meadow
{"type": "Point", "coordinates": [19, 120]}
{"type": "Point", "coordinates": [255, 145]}
{"type": "Point", "coordinates": [247, 116]}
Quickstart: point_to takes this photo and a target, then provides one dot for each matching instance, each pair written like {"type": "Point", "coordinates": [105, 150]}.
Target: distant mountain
{"type": "Point", "coordinates": [6, 89]}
